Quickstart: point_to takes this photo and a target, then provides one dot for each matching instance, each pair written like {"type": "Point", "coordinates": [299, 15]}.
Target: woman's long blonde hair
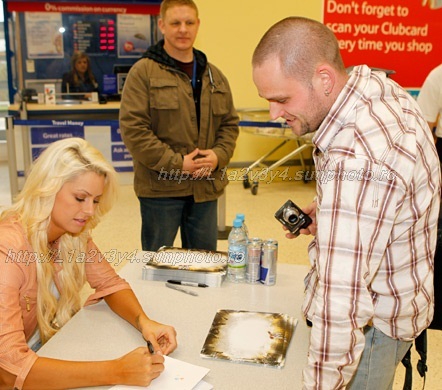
{"type": "Point", "coordinates": [61, 162]}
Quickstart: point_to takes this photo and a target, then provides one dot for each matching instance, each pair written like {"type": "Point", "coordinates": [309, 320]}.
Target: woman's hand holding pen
{"type": "Point", "coordinates": [126, 305]}
{"type": "Point", "coordinates": [138, 368]}
{"type": "Point", "coordinates": [144, 364]}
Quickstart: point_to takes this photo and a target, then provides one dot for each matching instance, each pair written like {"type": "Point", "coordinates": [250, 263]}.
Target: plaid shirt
{"type": "Point", "coordinates": [378, 194]}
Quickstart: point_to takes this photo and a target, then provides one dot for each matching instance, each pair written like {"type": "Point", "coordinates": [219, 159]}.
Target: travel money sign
{"type": "Point", "coordinates": [398, 35]}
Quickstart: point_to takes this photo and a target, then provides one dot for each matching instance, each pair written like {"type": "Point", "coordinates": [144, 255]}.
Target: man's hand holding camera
{"type": "Point", "coordinates": [309, 210]}
{"type": "Point", "coordinates": [297, 221]}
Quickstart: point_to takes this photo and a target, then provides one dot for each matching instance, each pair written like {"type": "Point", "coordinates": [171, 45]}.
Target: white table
{"type": "Point", "coordinates": [96, 333]}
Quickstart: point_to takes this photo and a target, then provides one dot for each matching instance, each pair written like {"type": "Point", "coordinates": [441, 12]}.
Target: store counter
{"type": "Point", "coordinates": [74, 110]}
{"type": "Point", "coordinates": [32, 127]}
{"type": "Point", "coordinates": [96, 333]}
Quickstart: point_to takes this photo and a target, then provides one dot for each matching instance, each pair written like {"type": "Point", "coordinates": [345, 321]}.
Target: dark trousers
{"type": "Point", "coordinates": [439, 148]}
{"type": "Point", "coordinates": [161, 218]}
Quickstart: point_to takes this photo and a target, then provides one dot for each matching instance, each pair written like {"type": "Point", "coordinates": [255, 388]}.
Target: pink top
{"type": "Point", "coordinates": [18, 295]}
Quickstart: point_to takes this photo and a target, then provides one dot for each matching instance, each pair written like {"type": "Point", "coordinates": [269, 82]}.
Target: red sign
{"type": "Point", "coordinates": [404, 36]}
{"type": "Point", "coordinates": [83, 8]}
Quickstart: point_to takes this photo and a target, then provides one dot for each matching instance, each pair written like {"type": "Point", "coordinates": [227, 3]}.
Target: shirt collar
{"type": "Point", "coordinates": [344, 104]}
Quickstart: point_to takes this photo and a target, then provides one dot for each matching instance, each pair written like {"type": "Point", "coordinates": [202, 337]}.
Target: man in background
{"type": "Point", "coordinates": [430, 100]}
{"type": "Point", "coordinates": [178, 121]}
{"type": "Point", "coordinates": [370, 289]}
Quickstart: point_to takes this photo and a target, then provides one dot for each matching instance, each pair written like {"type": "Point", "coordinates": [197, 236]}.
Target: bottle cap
{"type": "Point", "coordinates": [241, 216]}
{"type": "Point", "coordinates": [237, 223]}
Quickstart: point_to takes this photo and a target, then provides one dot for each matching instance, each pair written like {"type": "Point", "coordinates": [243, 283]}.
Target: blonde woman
{"type": "Point", "coordinates": [46, 256]}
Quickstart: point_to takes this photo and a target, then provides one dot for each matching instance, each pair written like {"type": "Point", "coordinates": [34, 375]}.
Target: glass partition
{"type": "Point", "coordinates": [44, 36]}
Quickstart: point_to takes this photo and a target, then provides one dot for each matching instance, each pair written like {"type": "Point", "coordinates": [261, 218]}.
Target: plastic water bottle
{"type": "Point", "coordinates": [242, 217]}
{"type": "Point", "coordinates": [236, 267]}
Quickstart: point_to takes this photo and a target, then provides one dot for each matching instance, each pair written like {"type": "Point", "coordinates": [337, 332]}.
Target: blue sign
{"type": "Point", "coordinates": [116, 133]}
{"type": "Point", "coordinates": [124, 169]}
{"type": "Point", "coordinates": [36, 152]}
{"type": "Point", "coordinates": [120, 153]}
{"type": "Point", "coordinates": [47, 135]}
{"type": "Point", "coordinates": [109, 84]}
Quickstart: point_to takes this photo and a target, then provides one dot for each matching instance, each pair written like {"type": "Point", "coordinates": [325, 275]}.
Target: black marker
{"type": "Point", "coordinates": [150, 346]}
{"type": "Point", "coordinates": [184, 283]}
{"type": "Point", "coordinates": [174, 287]}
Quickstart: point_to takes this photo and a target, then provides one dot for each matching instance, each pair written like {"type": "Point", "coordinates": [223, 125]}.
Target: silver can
{"type": "Point", "coordinates": [274, 242]}
{"type": "Point", "coordinates": [269, 257]}
{"type": "Point", "coordinates": [253, 268]}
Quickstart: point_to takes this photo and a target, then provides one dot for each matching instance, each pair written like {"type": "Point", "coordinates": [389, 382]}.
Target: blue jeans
{"type": "Point", "coordinates": [378, 362]}
{"type": "Point", "coordinates": [161, 218]}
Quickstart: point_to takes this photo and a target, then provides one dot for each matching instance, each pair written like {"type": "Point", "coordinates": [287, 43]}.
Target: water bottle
{"type": "Point", "coordinates": [236, 267]}
{"type": "Point", "coordinates": [242, 217]}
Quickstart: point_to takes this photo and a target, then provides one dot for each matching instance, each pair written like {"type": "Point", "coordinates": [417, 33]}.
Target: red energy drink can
{"type": "Point", "coordinates": [269, 257]}
{"type": "Point", "coordinates": [253, 268]}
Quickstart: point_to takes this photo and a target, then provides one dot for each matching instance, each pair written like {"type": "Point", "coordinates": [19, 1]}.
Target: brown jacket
{"type": "Point", "coordinates": [158, 123]}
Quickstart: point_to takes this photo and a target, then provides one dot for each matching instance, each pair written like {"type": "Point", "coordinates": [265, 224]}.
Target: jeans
{"type": "Point", "coordinates": [161, 218]}
{"type": "Point", "coordinates": [378, 362]}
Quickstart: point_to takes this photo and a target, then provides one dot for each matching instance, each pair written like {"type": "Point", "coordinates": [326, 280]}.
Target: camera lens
{"type": "Point", "coordinates": [291, 215]}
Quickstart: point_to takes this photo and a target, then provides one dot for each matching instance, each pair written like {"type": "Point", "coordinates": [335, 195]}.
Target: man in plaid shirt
{"type": "Point", "coordinates": [369, 293]}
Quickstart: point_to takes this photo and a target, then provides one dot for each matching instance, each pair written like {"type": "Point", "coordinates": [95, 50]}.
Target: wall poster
{"type": "Point", "coordinates": [398, 35]}
{"type": "Point", "coordinates": [134, 35]}
{"type": "Point", "coordinates": [43, 36]}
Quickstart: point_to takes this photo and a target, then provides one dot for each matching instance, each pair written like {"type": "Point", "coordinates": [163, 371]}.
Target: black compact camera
{"type": "Point", "coordinates": [292, 217]}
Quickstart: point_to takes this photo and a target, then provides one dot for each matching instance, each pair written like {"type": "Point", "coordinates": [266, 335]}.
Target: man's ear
{"type": "Point", "coordinates": [326, 79]}
{"type": "Point", "coordinates": [161, 24]}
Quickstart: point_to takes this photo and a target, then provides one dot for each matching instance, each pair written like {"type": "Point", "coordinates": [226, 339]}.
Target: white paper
{"type": "Point", "coordinates": [177, 375]}
{"type": "Point", "coordinates": [203, 385]}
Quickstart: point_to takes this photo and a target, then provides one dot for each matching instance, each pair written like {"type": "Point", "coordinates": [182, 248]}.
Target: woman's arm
{"type": "Point", "coordinates": [137, 368]}
{"type": "Point", "coordinates": [127, 306]}
{"type": "Point", "coordinates": [121, 299]}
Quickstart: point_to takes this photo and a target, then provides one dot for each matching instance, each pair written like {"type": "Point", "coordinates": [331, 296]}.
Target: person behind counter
{"type": "Point", "coordinates": [80, 78]}
{"type": "Point", "coordinates": [46, 256]}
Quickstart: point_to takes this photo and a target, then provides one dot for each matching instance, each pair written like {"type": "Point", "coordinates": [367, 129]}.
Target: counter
{"type": "Point", "coordinates": [83, 110]}
{"type": "Point", "coordinates": [31, 127]}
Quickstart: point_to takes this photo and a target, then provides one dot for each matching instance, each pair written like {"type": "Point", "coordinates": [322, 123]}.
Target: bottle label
{"type": "Point", "coordinates": [237, 257]}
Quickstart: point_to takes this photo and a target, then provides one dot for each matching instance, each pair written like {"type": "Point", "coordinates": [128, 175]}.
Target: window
{"type": "Point", "coordinates": [4, 96]}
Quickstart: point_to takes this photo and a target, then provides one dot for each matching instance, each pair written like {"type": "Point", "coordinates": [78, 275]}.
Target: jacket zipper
{"type": "Point", "coordinates": [28, 303]}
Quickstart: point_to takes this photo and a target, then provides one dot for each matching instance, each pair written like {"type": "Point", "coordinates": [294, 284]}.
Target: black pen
{"type": "Point", "coordinates": [175, 287]}
{"type": "Point", "coordinates": [184, 283]}
{"type": "Point", "coordinates": [150, 346]}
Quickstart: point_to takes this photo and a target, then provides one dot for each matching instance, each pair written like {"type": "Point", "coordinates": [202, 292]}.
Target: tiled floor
{"type": "Point", "coordinates": [120, 231]}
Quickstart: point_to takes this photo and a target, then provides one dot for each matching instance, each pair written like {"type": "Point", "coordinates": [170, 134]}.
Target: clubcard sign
{"type": "Point", "coordinates": [404, 36]}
